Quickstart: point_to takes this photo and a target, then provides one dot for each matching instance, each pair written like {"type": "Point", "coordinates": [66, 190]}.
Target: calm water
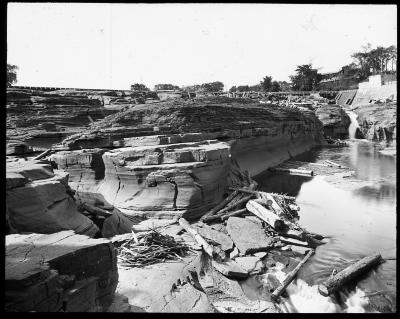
{"type": "Point", "coordinates": [357, 213]}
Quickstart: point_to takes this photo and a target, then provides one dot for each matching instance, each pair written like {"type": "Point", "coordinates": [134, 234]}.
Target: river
{"type": "Point", "coordinates": [357, 214]}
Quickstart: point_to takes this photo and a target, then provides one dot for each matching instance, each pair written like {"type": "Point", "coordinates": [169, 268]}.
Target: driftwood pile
{"type": "Point", "coordinates": [150, 248]}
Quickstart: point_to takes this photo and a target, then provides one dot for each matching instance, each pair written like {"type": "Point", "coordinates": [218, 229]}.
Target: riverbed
{"type": "Point", "coordinates": [357, 214]}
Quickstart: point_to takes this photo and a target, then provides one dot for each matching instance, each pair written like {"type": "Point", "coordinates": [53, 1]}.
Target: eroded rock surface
{"type": "Point", "coordinates": [335, 120]}
{"type": "Point", "coordinates": [37, 200]}
{"type": "Point", "coordinates": [378, 122]}
{"type": "Point", "coordinates": [59, 272]}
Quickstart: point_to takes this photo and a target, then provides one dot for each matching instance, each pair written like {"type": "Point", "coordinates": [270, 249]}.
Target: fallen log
{"type": "Point", "coordinates": [223, 211]}
{"type": "Point", "coordinates": [219, 206]}
{"type": "Point", "coordinates": [289, 278]}
{"type": "Point", "coordinates": [95, 210]}
{"type": "Point", "coordinates": [247, 191]}
{"type": "Point", "coordinates": [293, 171]}
{"type": "Point", "coordinates": [233, 205]}
{"type": "Point", "coordinates": [349, 273]}
{"type": "Point", "coordinates": [43, 154]}
{"type": "Point", "coordinates": [235, 213]}
{"type": "Point", "coordinates": [291, 241]}
{"type": "Point", "coordinates": [265, 214]}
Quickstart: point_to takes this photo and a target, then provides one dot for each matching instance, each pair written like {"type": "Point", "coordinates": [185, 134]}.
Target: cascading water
{"type": "Point", "coordinates": [353, 125]}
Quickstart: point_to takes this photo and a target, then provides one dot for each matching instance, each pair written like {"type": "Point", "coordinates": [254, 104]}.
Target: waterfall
{"type": "Point", "coordinates": [353, 125]}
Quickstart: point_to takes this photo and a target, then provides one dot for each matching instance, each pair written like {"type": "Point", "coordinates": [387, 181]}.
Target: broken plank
{"type": "Point", "coordinates": [293, 171]}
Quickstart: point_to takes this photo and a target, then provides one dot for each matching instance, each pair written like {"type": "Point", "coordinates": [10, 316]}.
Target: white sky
{"type": "Point", "coordinates": [115, 45]}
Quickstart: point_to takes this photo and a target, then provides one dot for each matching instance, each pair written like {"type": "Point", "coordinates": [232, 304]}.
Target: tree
{"type": "Point", "coordinates": [213, 86]}
{"type": "Point", "coordinates": [233, 89]}
{"type": "Point", "coordinates": [373, 61]}
{"type": "Point", "coordinates": [306, 78]}
{"type": "Point", "coordinates": [11, 74]}
{"type": "Point", "coordinates": [159, 87]}
{"type": "Point", "coordinates": [243, 88]}
{"type": "Point", "coordinates": [139, 87]}
{"type": "Point", "coordinates": [266, 83]}
{"type": "Point", "coordinates": [256, 88]}
{"type": "Point", "coordinates": [275, 87]}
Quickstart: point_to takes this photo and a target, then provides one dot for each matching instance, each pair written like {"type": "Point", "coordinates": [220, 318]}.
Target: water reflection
{"type": "Point", "coordinates": [358, 213]}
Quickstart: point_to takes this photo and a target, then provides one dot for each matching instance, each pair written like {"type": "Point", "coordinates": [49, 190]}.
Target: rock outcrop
{"type": "Point", "coordinates": [59, 272]}
{"type": "Point", "coordinates": [176, 158]}
{"type": "Point", "coordinates": [41, 118]}
{"type": "Point", "coordinates": [378, 122]}
{"type": "Point", "coordinates": [335, 120]}
{"type": "Point", "coordinates": [38, 200]}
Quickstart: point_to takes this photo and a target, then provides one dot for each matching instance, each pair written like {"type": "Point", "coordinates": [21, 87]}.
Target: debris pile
{"type": "Point", "coordinates": [150, 248]}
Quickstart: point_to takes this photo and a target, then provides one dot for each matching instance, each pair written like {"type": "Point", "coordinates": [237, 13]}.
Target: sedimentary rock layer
{"type": "Point", "coordinates": [59, 272]}
{"type": "Point", "coordinates": [165, 159]}
{"type": "Point", "coordinates": [37, 200]}
{"type": "Point", "coordinates": [335, 120]}
{"type": "Point", "coordinates": [378, 121]}
{"type": "Point", "coordinates": [41, 118]}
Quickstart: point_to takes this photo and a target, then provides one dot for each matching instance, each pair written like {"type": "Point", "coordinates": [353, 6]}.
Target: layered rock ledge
{"type": "Point", "coordinates": [38, 199]}
{"type": "Point", "coordinates": [40, 118]}
{"type": "Point", "coordinates": [175, 158]}
{"type": "Point", "coordinates": [59, 272]}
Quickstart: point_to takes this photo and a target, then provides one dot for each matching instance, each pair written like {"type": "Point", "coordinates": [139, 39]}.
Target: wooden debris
{"type": "Point", "coordinates": [293, 171]}
{"type": "Point", "coordinates": [247, 191]}
{"type": "Point", "coordinates": [334, 164]}
{"type": "Point", "coordinates": [95, 210]}
{"type": "Point", "coordinates": [150, 248]}
{"type": "Point", "coordinates": [219, 206]}
{"type": "Point", "coordinates": [349, 273]}
{"type": "Point", "coordinates": [265, 214]}
{"type": "Point", "coordinates": [291, 241]}
{"type": "Point", "coordinates": [289, 277]}
{"type": "Point", "coordinates": [43, 154]}
{"type": "Point", "coordinates": [200, 240]}
{"type": "Point", "coordinates": [235, 213]}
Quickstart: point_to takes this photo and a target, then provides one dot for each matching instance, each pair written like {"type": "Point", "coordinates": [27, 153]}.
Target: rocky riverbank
{"type": "Point", "coordinates": [335, 121]}
{"type": "Point", "coordinates": [378, 122]}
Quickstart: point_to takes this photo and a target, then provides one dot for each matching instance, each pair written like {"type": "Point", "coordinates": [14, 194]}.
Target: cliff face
{"type": "Point", "coordinates": [378, 122]}
{"type": "Point", "coordinates": [41, 118]}
{"type": "Point", "coordinates": [335, 120]}
{"type": "Point", "coordinates": [175, 158]}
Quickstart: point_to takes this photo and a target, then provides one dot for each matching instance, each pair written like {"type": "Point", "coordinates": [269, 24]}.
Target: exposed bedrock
{"type": "Point", "coordinates": [37, 200]}
{"type": "Point", "coordinates": [59, 272]}
{"type": "Point", "coordinates": [378, 122]}
{"type": "Point", "coordinates": [335, 120]}
{"type": "Point", "coordinates": [200, 148]}
{"type": "Point", "coordinates": [41, 118]}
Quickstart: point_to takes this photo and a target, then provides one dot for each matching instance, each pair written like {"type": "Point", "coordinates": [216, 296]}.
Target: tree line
{"type": "Point", "coordinates": [306, 78]}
